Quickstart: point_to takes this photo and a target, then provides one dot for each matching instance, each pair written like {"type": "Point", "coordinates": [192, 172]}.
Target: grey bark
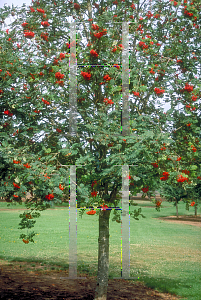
{"type": "Point", "coordinates": [177, 209]}
{"type": "Point", "coordinates": [103, 256]}
{"type": "Point", "coordinates": [196, 211]}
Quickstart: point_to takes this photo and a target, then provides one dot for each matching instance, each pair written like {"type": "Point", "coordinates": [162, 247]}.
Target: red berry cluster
{"type": "Point", "coordinates": [193, 148]}
{"type": "Point", "coordinates": [27, 166]}
{"type": "Point", "coordinates": [98, 35]}
{"type": "Point", "coordinates": [59, 76]}
{"type": "Point", "coordinates": [107, 77]}
{"type": "Point", "coordinates": [165, 176]}
{"type": "Point", "coordinates": [76, 6]}
{"type": "Point", "coordinates": [145, 189]}
{"type": "Point", "coordinates": [45, 24]}
{"type": "Point", "coordinates": [159, 91]}
{"type": "Point", "coordinates": [25, 241]}
{"type": "Point", "coordinates": [44, 36]}
{"type": "Point", "coordinates": [16, 161]}
{"type": "Point", "coordinates": [143, 45]}
{"type": "Point", "coordinates": [91, 212]}
{"type": "Point", "coordinates": [108, 101]}
{"type": "Point", "coordinates": [158, 203]}
{"type": "Point", "coordinates": [40, 10]}
{"type": "Point", "coordinates": [49, 196]}
{"type": "Point", "coordinates": [181, 178]}
{"type": "Point", "coordinates": [46, 102]}
{"type": "Point", "coordinates": [188, 88]}
{"type": "Point", "coordinates": [155, 165]}
{"type": "Point", "coordinates": [16, 185]}
{"type": "Point", "coordinates": [29, 34]}
{"type": "Point", "coordinates": [86, 75]}
{"type": "Point", "coordinates": [94, 194]}
{"type": "Point", "coordinates": [93, 53]}
{"type": "Point", "coordinates": [95, 27]}
{"type": "Point", "coordinates": [137, 94]}
{"type": "Point", "coordinates": [7, 112]}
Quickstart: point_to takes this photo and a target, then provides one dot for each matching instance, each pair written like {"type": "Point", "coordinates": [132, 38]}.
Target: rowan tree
{"type": "Point", "coordinates": [36, 139]}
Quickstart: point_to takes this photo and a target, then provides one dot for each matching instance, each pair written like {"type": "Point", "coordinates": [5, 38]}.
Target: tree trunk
{"type": "Point", "coordinates": [177, 209]}
{"type": "Point", "coordinates": [196, 211]}
{"type": "Point", "coordinates": [103, 256]}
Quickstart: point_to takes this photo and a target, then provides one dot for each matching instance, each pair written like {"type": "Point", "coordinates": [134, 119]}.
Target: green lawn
{"type": "Point", "coordinates": [166, 256]}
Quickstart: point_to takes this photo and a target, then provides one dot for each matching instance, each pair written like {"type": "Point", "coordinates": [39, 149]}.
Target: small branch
{"type": "Point", "coordinates": [178, 128]}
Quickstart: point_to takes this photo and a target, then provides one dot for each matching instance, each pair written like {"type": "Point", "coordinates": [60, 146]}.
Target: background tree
{"type": "Point", "coordinates": [35, 120]}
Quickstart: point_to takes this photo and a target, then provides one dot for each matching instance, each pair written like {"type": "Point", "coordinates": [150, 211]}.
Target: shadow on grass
{"type": "Point", "coordinates": [34, 260]}
{"type": "Point", "coordinates": [165, 285]}
{"type": "Point", "coordinates": [82, 267]}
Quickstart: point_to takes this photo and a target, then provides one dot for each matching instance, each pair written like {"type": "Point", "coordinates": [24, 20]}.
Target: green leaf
{"type": "Point", "coordinates": [48, 150]}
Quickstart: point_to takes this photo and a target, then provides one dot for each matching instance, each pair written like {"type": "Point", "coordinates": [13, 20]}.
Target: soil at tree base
{"type": "Point", "coordinates": [37, 283]}
{"type": "Point", "coordinates": [188, 220]}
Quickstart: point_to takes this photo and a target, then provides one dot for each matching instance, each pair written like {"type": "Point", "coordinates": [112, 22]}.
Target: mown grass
{"type": "Point", "coordinates": [164, 255]}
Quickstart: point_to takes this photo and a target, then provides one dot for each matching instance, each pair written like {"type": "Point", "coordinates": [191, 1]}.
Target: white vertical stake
{"type": "Point", "coordinates": [73, 227]}
{"type": "Point", "coordinates": [125, 226]}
